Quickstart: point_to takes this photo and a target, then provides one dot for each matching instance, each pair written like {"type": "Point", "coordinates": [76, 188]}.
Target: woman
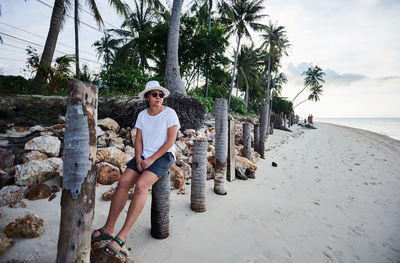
{"type": "Point", "coordinates": [157, 128]}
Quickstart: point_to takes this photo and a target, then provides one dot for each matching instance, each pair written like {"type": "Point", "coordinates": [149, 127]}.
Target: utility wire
{"type": "Point", "coordinates": [83, 51]}
{"type": "Point", "coordinates": [33, 43]}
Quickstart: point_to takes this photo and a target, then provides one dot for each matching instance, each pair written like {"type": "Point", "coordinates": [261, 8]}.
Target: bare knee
{"type": "Point", "coordinates": [141, 187]}
{"type": "Point", "coordinates": [125, 182]}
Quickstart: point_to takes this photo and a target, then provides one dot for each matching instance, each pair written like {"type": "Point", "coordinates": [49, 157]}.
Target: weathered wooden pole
{"type": "Point", "coordinates": [230, 175]}
{"type": "Point", "coordinates": [246, 140]}
{"type": "Point", "coordinates": [256, 135]}
{"type": "Point", "coordinates": [160, 192]}
{"type": "Point", "coordinates": [79, 180]}
{"type": "Point", "coordinates": [199, 176]}
{"type": "Point", "coordinates": [221, 145]}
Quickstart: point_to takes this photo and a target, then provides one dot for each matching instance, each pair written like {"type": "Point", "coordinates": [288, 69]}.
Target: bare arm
{"type": "Point", "coordinates": [139, 149]}
{"type": "Point", "coordinates": [171, 137]}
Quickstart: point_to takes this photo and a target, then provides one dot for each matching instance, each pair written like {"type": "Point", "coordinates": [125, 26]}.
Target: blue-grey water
{"type": "Point", "coordinates": [386, 126]}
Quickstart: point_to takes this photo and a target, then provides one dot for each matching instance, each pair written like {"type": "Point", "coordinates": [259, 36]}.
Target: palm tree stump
{"type": "Point", "coordinates": [160, 207]}
{"type": "Point", "coordinates": [221, 145]}
{"type": "Point", "coordinates": [256, 135]}
{"type": "Point", "coordinates": [231, 171]}
{"type": "Point", "coordinates": [199, 176]}
{"type": "Point", "coordinates": [246, 140]}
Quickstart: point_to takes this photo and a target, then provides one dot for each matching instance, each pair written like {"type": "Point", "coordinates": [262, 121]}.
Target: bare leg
{"type": "Point", "coordinates": [125, 183]}
{"type": "Point", "coordinates": [144, 182]}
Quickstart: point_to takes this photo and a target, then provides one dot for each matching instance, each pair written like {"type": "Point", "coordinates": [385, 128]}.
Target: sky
{"type": "Point", "coordinates": [353, 41]}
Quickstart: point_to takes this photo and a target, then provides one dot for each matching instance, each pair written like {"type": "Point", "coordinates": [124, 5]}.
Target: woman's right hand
{"type": "Point", "coordinates": [139, 163]}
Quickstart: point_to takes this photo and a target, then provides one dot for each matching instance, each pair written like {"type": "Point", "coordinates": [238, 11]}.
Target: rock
{"type": "Point", "coordinates": [41, 191]}
{"type": "Point", "coordinates": [55, 162]}
{"type": "Point", "coordinates": [19, 204]}
{"type": "Point", "coordinates": [97, 255]}
{"type": "Point", "coordinates": [34, 173]}
{"type": "Point", "coordinates": [250, 173]}
{"type": "Point", "coordinates": [187, 169]}
{"type": "Point", "coordinates": [57, 127]}
{"type": "Point", "coordinates": [182, 191]}
{"type": "Point", "coordinates": [181, 145]}
{"type": "Point", "coordinates": [107, 173]}
{"type": "Point", "coordinates": [5, 178]}
{"type": "Point", "coordinates": [274, 164]}
{"type": "Point", "coordinates": [210, 170]}
{"type": "Point", "coordinates": [101, 142]}
{"type": "Point", "coordinates": [29, 226]}
{"type": "Point", "coordinates": [240, 171]}
{"type": "Point", "coordinates": [133, 136]}
{"type": "Point", "coordinates": [255, 156]}
{"type": "Point", "coordinates": [5, 243]}
{"type": "Point", "coordinates": [190, 133]}
{"type": "Point", "coordinates": [33, 155]}
{"type": "Point", "coordinates": [246, 163]}
{"type": "Point", "coordinates": [177, 176]}
{"type": "Point", "coordinates": [129, 150]}
{"type": "Point", "coordinates": [107, 196]}
{"type": "Point", "coordinates": [11, 194]}
{"type": "Point", "coordinates": [49, 145]}
{"type": "Point", "coordinates": [7, 158]}
{"type": "Point", "coordinates": [108, 124]}
{"type": "Point", "coordinates": [99, 131]}
{"type": "Point", "coordinates": [113, 156]}
{"type": "Point", "coordinates": [113, 140]}
{"type": "Point", "coordinates": [37, 128]}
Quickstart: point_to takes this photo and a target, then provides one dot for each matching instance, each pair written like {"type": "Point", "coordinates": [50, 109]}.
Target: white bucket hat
{"type": "Point", "coordinates": [153, 85]}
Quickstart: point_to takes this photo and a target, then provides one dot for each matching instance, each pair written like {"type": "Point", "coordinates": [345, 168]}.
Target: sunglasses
{"type": "Point", "coordinates": [154, 94]}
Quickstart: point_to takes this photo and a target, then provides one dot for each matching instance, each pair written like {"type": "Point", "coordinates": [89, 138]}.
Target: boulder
{"type": "Point", "coordinates": [177, 176]}
{"type": "Point", "coordinates": [113, 140]}
{"type": "Point", "coordinates": [240, 171]}
{"type": "Point", "coordinates": [7, 158]}
{"type": "Point", "coordinates": [37, 128]}
{"type": "Point", "coordinates": [29, 226]}
{"type": "Point", "coordinates": [108, 124]}
{"type": "Point", "coordinates": [129, 150]}
{"type": "Point", "coordinates": [11, 194]}
{"type": "Point", "coordinates": [107, 173]}
{"type": "Point", "coordinates": [49, 145]}
{"type": "Point", "coordinates": [34, 173]}
{"type": "Point", "coordinates": [210, 170]}
{"type": "Point", "coordinates": [57, 127]}
{"type": "Point", "coordinates": [246, 163]}
{"type": "Point", "coordinates": [181, 145]}
{"type": "Point", "coordinates": [107, 196]}
{"type": "Point", "coordinates": [101, 141]}
{"type": "Point", "coordinates": [19, 204]}
{"type": "Point", "coordinates": [33, 155]}
{"type": "Point", "coordinates": [190, 133]}
{"type": "Point", "coordinates": [113, 156]}
{"type": "Point", "coordinates": [97, 255]}
{"type": "Point", "coordinates": [55, 162]}
{"type": "Point", "coordinates": [5, 243]}
{"type": "Point", "coordinates": [186, 168]}
{"type": "Point", "coordinates": [133, 136]}
{"type": "Point", "coordinates": [41, 191]}
{"type": "Point", "coordinates": [255, 156]}
{"type": "Point", "coordinates": [5, 178]}
{"type": "Point", "coordinates": [99, 131]}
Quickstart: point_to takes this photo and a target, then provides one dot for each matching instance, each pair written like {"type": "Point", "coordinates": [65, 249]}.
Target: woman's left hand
{"type": "Point", "coordinates": [147, 162]}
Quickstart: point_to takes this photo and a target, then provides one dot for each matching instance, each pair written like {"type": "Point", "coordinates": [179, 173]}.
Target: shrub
{"type": "Point", "coordinates": [238, 105]}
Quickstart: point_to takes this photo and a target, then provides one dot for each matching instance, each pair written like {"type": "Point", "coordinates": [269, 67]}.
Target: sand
{"type": "Point", "coordinates": [334, 197]}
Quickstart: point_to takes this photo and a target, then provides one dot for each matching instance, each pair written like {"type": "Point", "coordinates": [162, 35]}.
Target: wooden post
{"type": "Point", "coordinates": [160, 192]}
{"type": "Point", "coordinates": [79, 180]}
{"type": "Point", "coordinates": [284, 121]}
{"type": "Point", "coordinates": [230, 175]}
{"type": "Point", "coordinates": [256, 135]}
{"type": "Point", "coordinates": [246, 140]}
{"type": "Point", "coordinates": [221, 145]}
{"type": "Point", "coordinates": [199, 176]}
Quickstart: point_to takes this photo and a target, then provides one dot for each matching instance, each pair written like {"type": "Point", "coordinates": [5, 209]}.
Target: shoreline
{"type": "Point", "coordinates": [333, 198]}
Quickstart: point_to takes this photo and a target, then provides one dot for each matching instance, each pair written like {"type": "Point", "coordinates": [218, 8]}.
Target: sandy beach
{"type": "Point", "coordinates": [334, 197]}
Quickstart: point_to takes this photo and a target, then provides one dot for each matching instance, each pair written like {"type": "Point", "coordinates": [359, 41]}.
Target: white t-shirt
{"type": "Point", "coordinates": [155, 129]}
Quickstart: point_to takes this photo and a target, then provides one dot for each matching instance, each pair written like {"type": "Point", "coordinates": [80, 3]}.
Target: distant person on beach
{"type": "Point", "coordinates": [311, 119]}
{"type": "Point", "coordinates": [157, 128]}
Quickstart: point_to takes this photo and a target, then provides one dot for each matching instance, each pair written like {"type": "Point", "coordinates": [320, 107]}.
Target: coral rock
{"type": "Point", "coordinates": [20, 204]}
{"type": "Point", "coordinates": [190, 133]}
{"type": "Point", "coordinates": [246, 163]}
{"type": "Point", "coordinates": [5, 179]}
{"type": "Point", "coordinates": [177, 176]}
{"type": "Point", "coordinates": [108, 124]}
{"type": "Point", "coordinates": [113, 156]}
{"type": "Point", "coordinates": [40, 191]}
{"type": "Point", "coordinates": [33, 155]}
{"type": "Point", "coordinates": [5, 243]}
{"type": "Point", "coordinates": [11, 194]}
{"type": "Point", "coordinates": [107, 173]}
{"type": "Point", "coordinates": [97, 255]}
{"type": "Point", "coordinates": [28, 226]}
{"type": "Point", "coordinates": [49, 145]}
{"type": "Point", "coordinates": [34, 173]}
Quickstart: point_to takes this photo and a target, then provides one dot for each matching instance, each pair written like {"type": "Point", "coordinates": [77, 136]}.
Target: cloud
{"type": "Point", "coordinates": [388, 78]}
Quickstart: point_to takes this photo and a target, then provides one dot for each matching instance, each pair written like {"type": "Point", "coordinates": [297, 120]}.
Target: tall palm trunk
{"type": "Point", "coordinates": [208, 53]}
{"type": "Point", "coordinates": [221, 145]}
{"type": "Point", "coordinates": [173, 76]}
{"type": "Point", "coordinates": [264, 127]}
{"type": "Point", "coordinates": [299, 92]}
{"type": "Point", "coordinates": [234, 71]}
{"type": "Point", "coordinates": [50, 46]}
{"type": "Point", "coordinates": [263, 123]}
{"type": "Point", "coordinates": [76, 20]}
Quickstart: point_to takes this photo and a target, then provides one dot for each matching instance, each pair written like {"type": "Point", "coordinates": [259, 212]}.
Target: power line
{"type": "Point", "coordinates": [33, 43]}
{"type": "Point", "coordinates": [83, 51]}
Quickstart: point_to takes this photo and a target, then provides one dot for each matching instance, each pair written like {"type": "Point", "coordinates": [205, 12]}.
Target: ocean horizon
{"type": "Point", "coordinates": [385, 126]}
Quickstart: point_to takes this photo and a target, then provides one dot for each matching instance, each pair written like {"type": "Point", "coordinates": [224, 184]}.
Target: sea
{"type": "Point", "coordinates": [386, 126]}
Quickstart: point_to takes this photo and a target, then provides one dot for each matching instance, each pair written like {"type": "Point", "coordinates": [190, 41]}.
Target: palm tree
{"type": "Point", "coordinates": [240, 16]}
{"type": "Point", "coordinates": [221, 145]}
{"type": "Point", "coordinates": [316, 92]}
{"type": "Point", "coordinates": [199, 176]}
{"type": "Point", "coordinates": [173, 75]}
{"type": "Point", "coordinates": [106, 47]}
{"type": "Point", "coordinates": [314, 75]}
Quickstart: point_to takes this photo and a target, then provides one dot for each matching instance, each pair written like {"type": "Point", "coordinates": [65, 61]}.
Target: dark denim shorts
{"type": "Point", "coordinates": [159, 167]}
